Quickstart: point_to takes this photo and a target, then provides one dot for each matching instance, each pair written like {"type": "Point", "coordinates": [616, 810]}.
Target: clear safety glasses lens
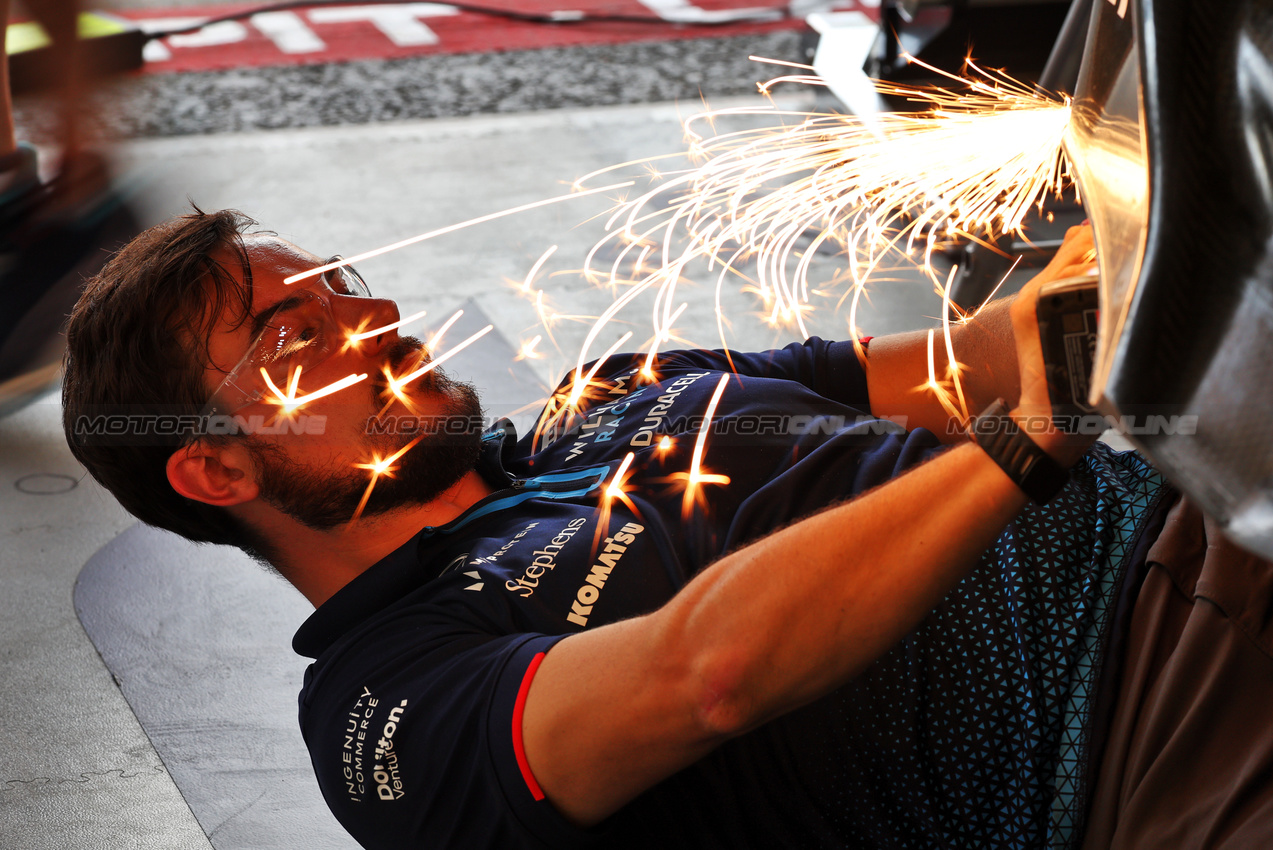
{"type": "Point", "coordinates": [301, 333]}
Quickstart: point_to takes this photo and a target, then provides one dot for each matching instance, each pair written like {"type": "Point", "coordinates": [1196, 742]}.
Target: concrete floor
{"type": "Point", "coordinates": [78, 771]}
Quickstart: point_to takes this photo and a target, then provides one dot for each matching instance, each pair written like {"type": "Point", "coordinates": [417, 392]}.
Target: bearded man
{"type": "Point", "coordinates": [840, 633]}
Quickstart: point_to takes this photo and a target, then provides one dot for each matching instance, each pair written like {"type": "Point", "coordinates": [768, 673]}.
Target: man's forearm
{"type": "Point", "coordinates": [854, 580]}
{"type": "Point", "coordinates": [985, 349]}
{"type": "Point", "coordinates": [897, 371]}
{"type": "Point", "coordinates": [765, 630]}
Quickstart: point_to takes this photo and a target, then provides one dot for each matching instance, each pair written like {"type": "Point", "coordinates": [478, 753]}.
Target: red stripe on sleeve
{"type": "Point", "coordinates": [518, 747]}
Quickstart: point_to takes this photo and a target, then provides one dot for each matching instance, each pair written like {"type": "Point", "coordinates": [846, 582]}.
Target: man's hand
{"type": "Point", "coordinates": [988, 349]}
{"type": "Point", "coordinates": [1076, 256]}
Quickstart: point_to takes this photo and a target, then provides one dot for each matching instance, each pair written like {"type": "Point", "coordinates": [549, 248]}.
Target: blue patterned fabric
{"type": "Point", "coordinates": [974, 731]}
{"type": "Point", "coordinates": [1133, 486]}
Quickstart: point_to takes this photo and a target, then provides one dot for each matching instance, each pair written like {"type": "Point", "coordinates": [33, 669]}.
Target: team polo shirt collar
{"type": "Point", "coordinates": [402, 570]}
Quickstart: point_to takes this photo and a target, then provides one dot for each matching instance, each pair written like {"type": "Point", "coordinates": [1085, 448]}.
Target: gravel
{"type": "Point", "coordinates": [433, 86]}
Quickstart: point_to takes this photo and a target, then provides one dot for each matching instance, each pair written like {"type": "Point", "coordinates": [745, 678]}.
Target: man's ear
{"type": "Point", "coordinates": [216, 475]}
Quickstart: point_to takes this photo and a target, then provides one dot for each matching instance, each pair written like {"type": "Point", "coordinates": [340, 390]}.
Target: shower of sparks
{"type": "Point", "coordinates": [347, 261]}
{"type": "Point", "coordinates": [758, 206]}
{"type": "Point", "coordinates": [763, 202]}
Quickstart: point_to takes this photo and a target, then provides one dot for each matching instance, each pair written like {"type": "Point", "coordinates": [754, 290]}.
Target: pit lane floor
{"type": "Point", "coordinates": [79, 770]}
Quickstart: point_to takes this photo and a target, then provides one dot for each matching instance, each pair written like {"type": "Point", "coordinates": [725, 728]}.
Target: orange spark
{"type": "Point", "coordinates": [379, 467]}
{"type": "Point", "coordinates": [289, 402]}
{"type": "Point", "coordinates": [396, 384]}
{"type": "Point", "coordinates": [614, 490]}
{"type": "Point", "coordinates": [696, 477]}
{"type": "Point", "coordinates": [355, 337]}
{"type": "Point", "coordinates": [559, 411]}
{"type": "Point", "coordinates": [579, 384]}
{"type": "Point", "coordinates": [530, 276]}
{"type": "Point", "coordinates": [527, 351]}
{"type": "Point", "coordinates": [446, 326]}
{"type": "Point", "coordinates": [903, 184]}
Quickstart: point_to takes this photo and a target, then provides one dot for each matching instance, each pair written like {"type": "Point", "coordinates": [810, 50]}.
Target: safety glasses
{"type": "Point", "coordinates": [299, 332]}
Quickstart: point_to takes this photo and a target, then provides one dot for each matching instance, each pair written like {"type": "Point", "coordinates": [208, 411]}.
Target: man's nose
{"type": "Point", "coordinates": [366, 319]}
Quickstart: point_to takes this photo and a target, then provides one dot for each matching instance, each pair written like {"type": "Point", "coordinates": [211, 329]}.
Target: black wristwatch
{"type": "Point", "coordinates": [1030, 467]}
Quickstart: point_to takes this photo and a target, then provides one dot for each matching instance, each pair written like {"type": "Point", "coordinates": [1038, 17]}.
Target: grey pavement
{"type": "Point", "coordinates": [78, 770]}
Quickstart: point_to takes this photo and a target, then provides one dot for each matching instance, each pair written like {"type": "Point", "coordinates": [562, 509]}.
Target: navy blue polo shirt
{"type": "Point", "coordinates": [412, 707]}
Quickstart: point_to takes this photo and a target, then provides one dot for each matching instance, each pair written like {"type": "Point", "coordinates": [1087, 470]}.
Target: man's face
{"type": "Point", "coordinates": [309, 468]}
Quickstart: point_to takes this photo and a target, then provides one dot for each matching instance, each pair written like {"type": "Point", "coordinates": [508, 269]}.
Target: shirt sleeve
{"type": "Point", "coordinates": [415, 737]}
{"type": "Point", "coordinates": [831, 369]}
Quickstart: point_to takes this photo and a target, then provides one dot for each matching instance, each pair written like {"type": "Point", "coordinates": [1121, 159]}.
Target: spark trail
{"type": "Point", "coordinates": [760, 204]}
{"type": "Point", "coordinates": [898, 189]}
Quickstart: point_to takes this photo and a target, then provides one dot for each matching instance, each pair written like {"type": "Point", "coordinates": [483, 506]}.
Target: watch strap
{"type": "Point", "coordinates": [1030, 467]}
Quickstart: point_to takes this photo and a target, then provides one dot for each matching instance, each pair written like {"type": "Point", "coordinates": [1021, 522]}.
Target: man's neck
{"type": "Point", "coordinates": [319, 563]}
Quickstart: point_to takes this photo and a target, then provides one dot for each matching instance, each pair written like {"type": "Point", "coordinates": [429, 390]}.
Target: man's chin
{"type": "Point", "coordinates": [324, 499]}
{"type": "Point", "coordinates": [447, 443]}
{"type": "Point", "coordinates": [447, 440]}
{"type": "Point", "coordinates": [424, 473]}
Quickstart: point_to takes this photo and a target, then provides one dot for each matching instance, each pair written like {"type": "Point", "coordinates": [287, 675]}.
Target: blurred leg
{"type": "Point", "coordinates": [55, 233]}
{"type": "Point", "coordinates": [8, 143]}
{"type": "Point", "coordinates": [60, 19]}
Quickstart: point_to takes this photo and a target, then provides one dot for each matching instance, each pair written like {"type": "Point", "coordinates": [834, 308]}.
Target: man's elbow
{"type": "Point", "coordinates": [717, 678]}
{"type": "Point", "coordinates": [723, 693]}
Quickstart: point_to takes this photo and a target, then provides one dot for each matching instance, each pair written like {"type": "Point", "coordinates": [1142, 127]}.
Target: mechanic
{"type": "Point", "coordinates": [864, 638]}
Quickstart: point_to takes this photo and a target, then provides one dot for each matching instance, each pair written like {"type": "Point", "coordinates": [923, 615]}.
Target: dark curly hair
{"type": "Point", "coordinates": [137, 343]}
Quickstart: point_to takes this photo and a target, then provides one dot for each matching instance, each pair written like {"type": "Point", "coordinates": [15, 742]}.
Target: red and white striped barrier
{"type": "Point", "coordinates": [324, 34]}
